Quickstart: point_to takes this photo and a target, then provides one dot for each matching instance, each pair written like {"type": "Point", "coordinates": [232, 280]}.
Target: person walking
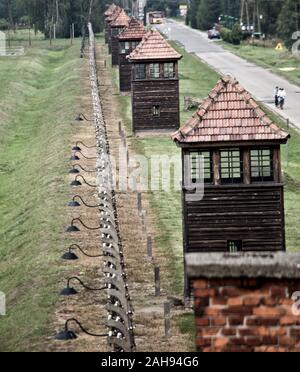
{"type": "Point", "coordinates": [281, 98]}
{"type": "Point", "coordinates": [276, 96]}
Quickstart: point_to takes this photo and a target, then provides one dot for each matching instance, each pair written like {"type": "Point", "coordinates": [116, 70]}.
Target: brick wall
{"type": "Point", "coordinates": [246, 315]}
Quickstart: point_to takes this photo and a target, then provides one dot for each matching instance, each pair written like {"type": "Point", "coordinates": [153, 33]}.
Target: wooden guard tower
{"type": "Point", "coordinates": [232, 146]}
{"type": "Point", "coordinates": [116, 26]}
{"type": "Point", "coordinates": [109, 12]}
{"type": "Point", "coordinates": [129, 39]}
{"type": "Point", "coordinates": [109, 20]}
{"type": "Point", "coordinates": [155, 85]}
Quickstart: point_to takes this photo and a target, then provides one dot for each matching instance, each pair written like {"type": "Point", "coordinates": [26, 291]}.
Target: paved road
{"type": "Point", "coordinates": [258, 81]}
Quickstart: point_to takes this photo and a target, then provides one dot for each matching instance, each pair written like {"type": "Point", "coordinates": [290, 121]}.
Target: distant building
{"type": "Point", "coordinates": [183, 10]}
{"type": "Point", "coordinates": [155, 85]}
{"type": "Point", "coordinates": [129, 39]}
{"type": "Point", "coordinates": [116, 26]}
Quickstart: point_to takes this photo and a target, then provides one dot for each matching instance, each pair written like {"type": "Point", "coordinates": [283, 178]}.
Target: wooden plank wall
{"type": "Point", "coordinates": [253, 214]}
{"type": "Point", "coordinates": [149, 93]}
{"type": "Point", "coordinates": [125, 73]}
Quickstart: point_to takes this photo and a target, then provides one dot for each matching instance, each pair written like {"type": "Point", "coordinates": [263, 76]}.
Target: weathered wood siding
{"type": "Point", "coordinates": [251, 213]}
{"type": "Point", "coordinates": [149, 93]}
{"type": "Point", "coordinates": [125, 73]}
{"type": "Point", "coordinates": [115, 49]}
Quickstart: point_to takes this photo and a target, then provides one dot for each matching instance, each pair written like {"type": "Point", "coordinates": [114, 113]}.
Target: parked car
{"type": "Point", "coordinates": [214, 34]}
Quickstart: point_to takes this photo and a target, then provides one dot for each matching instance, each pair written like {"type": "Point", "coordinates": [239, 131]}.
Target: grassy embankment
{"type": "Point", "coordinates": [276, 61]}
{"type": "Point", "coordinates": [38, 97]}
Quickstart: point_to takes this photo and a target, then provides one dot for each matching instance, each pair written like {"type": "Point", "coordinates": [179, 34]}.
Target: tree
{"type": "Point", "coordinates": [208, 13]}
{"type": "Point", "coordinates": [288, 21]}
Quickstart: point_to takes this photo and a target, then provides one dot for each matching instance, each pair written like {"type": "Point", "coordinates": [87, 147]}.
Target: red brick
{"type": "Point", "coordinates": [269, 301]}
{"type": "Point", "coordinates": [238, 349]}
{"type": "Point", "coordinates": [230, 292]}
{"type": "Point", "coordinates": [288, 321]}
{"type": "Point", "coordinates": [203, 342]}
{"type": "Point", "coordinates": [236, 301]}
{"type": "Point", "coordinates": [295, 332]}
{"type": "Point", "coordinates": [253, 341]}
{"type": "Point", "coordinates": [270, 340]}
{"type": "Point", "coordinates": [219, 322]}
{"type": "Point", "coordinates": [278, 292]}
{"type": "Point", "coordinates": [219, 301]}
{"type": "Point", "coordinates": [286, 341]}
{"type": "Point", "coordinates": [236, 320]}
{"type": "Point", "coordinates": [259, 321]}
{"type": "Point", "coordinates": [268, 312]}
{"type": "Point", "coordinates": [248, 331]}
{"type": "Point", "coordinates": [202, 322]}
{"type": "Point", "coordinates": [203, 293]}
{"type": "Point", "coordinates": [237, 341]}
{"type": "Point", "coordinates": [213, 311]}
{"type": "Point", "coordinates": [281, 331]}
{"type": "Point", "coordinates": [229, 331]}
{"type": "Point", "coordinates": [212, 331]}
{"type": "Point", "coordinates": [200, 284]}
{"type": "Point", "coordinates": [221, 342]}
{"type": "Point", "coordinates": [252, 301]}
{"type": "Point", "coordinates": [238, 310]}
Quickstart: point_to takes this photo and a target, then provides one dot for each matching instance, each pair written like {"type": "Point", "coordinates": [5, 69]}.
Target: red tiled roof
{"type": "Point", "coordinates": [229, 114]}
{"type": "Point", "coordinates": [154, 47]}
{"type": "Point", "coordinates": [134, 31]}
{"type": "Point", "coordinates": [110, 10]}
{"type": "Point", "coordinates": [122, 20]}
{"type": "Point", "coordinates": [114, 14]}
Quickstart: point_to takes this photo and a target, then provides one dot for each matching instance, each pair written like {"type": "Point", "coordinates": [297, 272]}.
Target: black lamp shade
{"type": "Point", "coordinates": [65, 336]}
{"type": "Point", "coordinates": [69, 256]}
{"type": "Point", "coordinates": [76, 183]}
{"type": "Point", "coordinates": [74, 158]}
{"type": "Point", "coordinates": [76, 148]}
{"type": "Point", "coordinates": [74, 171]}
{"type": "Point", "coordinates": [73, 204]}
{"type": "Point", "coordinates": [68, 291]}
{"type": "Point", "coordinates": [72, 228]}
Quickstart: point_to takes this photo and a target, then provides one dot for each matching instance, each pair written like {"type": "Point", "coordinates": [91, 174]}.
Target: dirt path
{"type": "Point", "coordinates": [149, 313]}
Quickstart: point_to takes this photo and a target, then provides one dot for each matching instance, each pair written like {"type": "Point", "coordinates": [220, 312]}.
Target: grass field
{"type": "Point", "coordinates": [38, 94]}
{"type": "Point", "coordinates": [197, 79]}
{"type": "Point", "coordinates": [270, 59]}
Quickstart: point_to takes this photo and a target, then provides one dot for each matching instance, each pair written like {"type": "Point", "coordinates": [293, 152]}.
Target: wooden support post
{"type": "Point", "coordinates": [247, 167]}
{"type": "Point", "coordinates": [167, 313]}
{"type": "Point", "coordinates": [157, 280]}
{"type": "Point", "coordinates": [120, 129]}
{"type": "Point", "coordinates": [139, 203]}
{"type": "Point", "coordinates": [149, 247]}
{"type": "Point", "coordinates": [144, 225]}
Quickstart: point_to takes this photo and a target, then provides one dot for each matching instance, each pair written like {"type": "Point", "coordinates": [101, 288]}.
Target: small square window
{"type": "Point", "coordinates": [154, 71]}
{"type": "Point", "coordinates": [231, 166]}
{"type": "Point", "coordinates": [261, 165]}
{"type": "Point", "coordinates": [169, 70]}
{"type": "Point", "coordinates": [235, 246]}
{"type": "Point", "coordinates": [140, 71]}
{"type": "Point", "coordinates": [201, 166]}
{"type": "Point", "coordinates": [156, 111]}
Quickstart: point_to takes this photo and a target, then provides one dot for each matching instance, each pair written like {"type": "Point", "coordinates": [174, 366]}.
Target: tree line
{"type": "Point", "coordinates": [44, 14]}
{"type": "Point", "coordinates": [272, 18]}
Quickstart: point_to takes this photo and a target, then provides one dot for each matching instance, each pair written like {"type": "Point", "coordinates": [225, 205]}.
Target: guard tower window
{"type": "Point", "coordinates": [234, 246]}
{"type": "Point", "coordinates": [156, 111]}
{"type": "Point", "coordinates": [140, 71]}
{"type": "Point", "coordinates": [169, 71]}
{"type": "Point", "coordinates": [154, 71]}
{"type": "Point", "coordinates": [262, 165]}
{"type": "Point", "coordinates": [231, 166]}
{"type": "Point", "coordinates": [134, 44]}
{"type": "Point", "coordinates": [201, 166]}
{"type": "Point", "coordinates": [124, 47]}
